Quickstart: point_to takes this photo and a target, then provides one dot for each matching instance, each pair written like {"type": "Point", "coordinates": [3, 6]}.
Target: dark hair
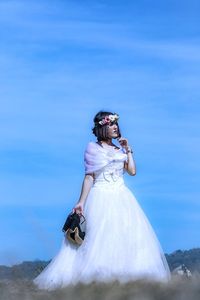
{"type": "Point", "coordinates": [101, 131]}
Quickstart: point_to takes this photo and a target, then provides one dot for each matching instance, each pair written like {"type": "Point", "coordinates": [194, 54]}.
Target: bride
{"type": "Point", "coordinates": [120, 243]}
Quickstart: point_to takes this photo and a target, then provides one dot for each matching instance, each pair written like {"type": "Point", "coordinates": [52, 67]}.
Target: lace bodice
{"type": "Point", "coordinates": [110, 173]}
{"type": "Point", "coordinates": [114, 170]}
{"type": "Point", "coordinates": [107, 165]}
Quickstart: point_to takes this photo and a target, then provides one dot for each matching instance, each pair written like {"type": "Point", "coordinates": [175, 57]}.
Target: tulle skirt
{"type": "Point", "coordinates": [120, 243]}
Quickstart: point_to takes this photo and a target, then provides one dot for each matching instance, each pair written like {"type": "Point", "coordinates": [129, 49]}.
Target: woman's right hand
{"type": "Point", "coordinates": [78, 208]}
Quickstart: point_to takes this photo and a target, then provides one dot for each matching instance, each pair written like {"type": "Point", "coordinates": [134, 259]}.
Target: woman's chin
{"type": "Point", "coordinates": [115, 136]}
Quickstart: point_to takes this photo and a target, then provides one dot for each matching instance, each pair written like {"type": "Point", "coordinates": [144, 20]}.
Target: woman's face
{"type": "Point", "coordinates": [113, 131]}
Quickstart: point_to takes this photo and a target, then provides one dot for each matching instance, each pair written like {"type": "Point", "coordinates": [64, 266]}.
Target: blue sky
{"type": "Point", "coordinates": [61, 62]}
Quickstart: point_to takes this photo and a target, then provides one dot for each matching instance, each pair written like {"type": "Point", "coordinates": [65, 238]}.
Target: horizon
{"type": "Point", "coordinates": [43, 260]}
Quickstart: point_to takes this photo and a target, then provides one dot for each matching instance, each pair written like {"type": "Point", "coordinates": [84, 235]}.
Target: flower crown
{"type": "Point", "coordinates": [109, 119]}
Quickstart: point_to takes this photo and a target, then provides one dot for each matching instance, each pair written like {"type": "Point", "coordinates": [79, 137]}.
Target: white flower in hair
{"type": "Point", "coordinates": [112, 118]}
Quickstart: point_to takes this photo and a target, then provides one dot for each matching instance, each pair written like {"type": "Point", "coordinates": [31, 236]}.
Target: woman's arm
{"type": "Point", "coordinates": [86, 187]}
{"type": "Point", "coordinates": [130, 164]}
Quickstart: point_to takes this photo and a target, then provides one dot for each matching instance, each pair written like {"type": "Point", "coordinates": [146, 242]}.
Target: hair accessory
{"type": "Point", "coordinates": [109, 119]}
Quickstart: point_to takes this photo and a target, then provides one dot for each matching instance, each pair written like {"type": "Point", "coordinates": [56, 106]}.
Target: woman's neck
{"type": "Point", "coordinates": [108, 142]}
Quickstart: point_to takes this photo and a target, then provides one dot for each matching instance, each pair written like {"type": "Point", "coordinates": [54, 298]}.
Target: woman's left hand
{"type": "Point", "coordinates": [123, 142]}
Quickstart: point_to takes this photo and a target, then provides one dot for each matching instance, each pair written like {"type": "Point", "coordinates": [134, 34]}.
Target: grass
{"type": "Point", "coordinates": [177, 289]}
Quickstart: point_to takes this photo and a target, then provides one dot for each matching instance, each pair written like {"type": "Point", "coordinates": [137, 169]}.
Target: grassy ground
{"type": "Point", "coordinates": [177, 288]}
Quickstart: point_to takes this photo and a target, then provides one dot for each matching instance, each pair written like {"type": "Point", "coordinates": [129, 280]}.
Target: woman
{"type": "Point", "coordinates": [120, 244]}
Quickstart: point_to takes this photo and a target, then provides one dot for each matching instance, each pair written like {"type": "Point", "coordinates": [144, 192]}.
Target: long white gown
{"type": "Point", "coordinates": [120, 243]}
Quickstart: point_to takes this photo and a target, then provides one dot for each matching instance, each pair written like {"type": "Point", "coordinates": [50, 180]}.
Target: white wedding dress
{"type": "Point", "coordinates": [120, 243]}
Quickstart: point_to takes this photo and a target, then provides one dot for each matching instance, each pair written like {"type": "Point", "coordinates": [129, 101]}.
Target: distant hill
{"type": "Point", "coordinates": [190, 258]}
{"type": "Point", "coordinates": [25, 270]}
{"type": "Point", "coordinates": [30, 269]}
